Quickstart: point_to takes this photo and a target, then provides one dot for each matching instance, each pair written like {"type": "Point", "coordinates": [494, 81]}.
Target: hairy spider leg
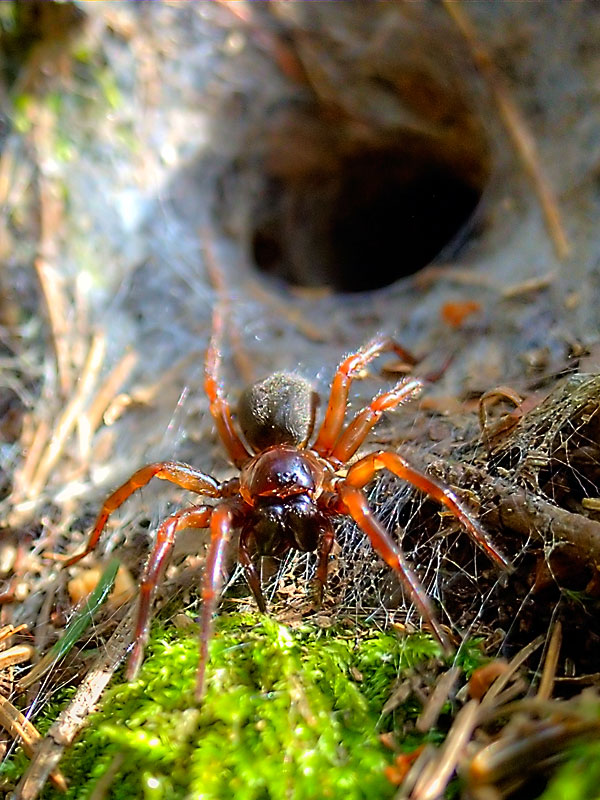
{"type": "Point", "coordinates": [193, 517]}
{"type": "Point", "coordinates": [355, 433]}
{"type": "Point", "coordinates": [183, 475]}
{"type": "Point", "coordinates": [357, 505]}
{"type": "Point", "coordinates": [326, 541]}
{"type": "Point", "coordinates": [226, 516]}
{"type": "Point", "coordinates": [338, 397]}
{"type": "Point", "coordinates": [218, 404]}
{"type": "Point", "coordinates": [252, 577]}
{"type": "Point", "coordinates": [364, 470]}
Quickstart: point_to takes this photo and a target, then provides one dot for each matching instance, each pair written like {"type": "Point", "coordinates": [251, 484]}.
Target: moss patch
{"type": "Point", "coordinates": [288, 713]}
{"type": "Point", "coordinates": [579, 778]}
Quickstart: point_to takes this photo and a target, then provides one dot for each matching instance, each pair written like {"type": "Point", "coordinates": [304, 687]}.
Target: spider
{"type": "Point", "coordinates": [288, 492]}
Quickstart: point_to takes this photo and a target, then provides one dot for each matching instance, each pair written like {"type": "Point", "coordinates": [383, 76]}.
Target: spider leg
{"type": "Point", "coordinates": [358, 507]}
{"type": "Point", "coordinates": [250, 572]}
{"type": "Point", "coordinates": [225, 518]}
{"type": "Point", "coordinates": [326, 541]}
{"type": "Point", "coordinates": [363, 471]}
{"type": "Point", "coordinates": [355, 433]}
{"type": "Point", "coordinates": [183, 475]}
{"type": "Point", "coordinates": [194, 517]}
{"type": "Point", "coordinates": [338, 397]}
{"type": "Point", "coordinates": [219, 407]}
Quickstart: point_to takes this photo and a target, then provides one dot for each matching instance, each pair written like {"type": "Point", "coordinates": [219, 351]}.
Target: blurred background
{"type": "Point", "coordinates": [328, 171]}
{"type": "Point", "coordinates": [334, 170]}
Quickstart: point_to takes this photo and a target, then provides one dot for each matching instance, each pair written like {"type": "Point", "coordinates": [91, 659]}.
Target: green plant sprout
{"type": "Point", "coordinates": [77, 626]}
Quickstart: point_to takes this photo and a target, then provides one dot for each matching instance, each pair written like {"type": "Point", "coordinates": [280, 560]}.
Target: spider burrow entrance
{"type": "Point", "coordinates": [370, 172]}
{"type": "Point", "coordinates": [394, 208]}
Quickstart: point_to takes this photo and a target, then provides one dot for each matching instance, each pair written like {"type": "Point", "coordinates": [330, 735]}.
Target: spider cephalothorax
{"type": "Point", "coordinates": [289, 491]}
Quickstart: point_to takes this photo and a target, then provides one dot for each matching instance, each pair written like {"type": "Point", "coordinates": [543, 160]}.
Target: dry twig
{"type": "Point", "coordinates": [506, 506]}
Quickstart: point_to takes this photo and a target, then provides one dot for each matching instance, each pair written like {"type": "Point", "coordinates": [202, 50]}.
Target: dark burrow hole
{"type": "Point", "coordinates": [382, 215]}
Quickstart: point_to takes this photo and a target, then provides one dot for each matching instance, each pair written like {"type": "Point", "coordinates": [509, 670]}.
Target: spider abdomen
{"type": "Point", "coordinates": [279, 410]}
{"type": "Point", "coordinates": [277, 525]}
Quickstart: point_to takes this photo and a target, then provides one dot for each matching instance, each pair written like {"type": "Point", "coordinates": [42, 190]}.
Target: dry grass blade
{"type": "Point", "coordinates": [536, 736]}
{"type": "Point", "coordinates": [438, 772]}
{"type": "Point", "coordinates": [146, 394]}
{"type": "Point", "coordinates": [105, 782]}
{"type": "Point", "coordinates": [105, 396]}
{"type": "Point", "coordinates": [19, 727]}
{"type": "Point", "coordinates": [443, 687]}
{"type": "Point", "coordinates": [56, 305]}
{"type": "Point", "coordinates": [16, 655]}
{"type": "Point", "coordinates": [72, 718]}
{"type": "Point", "coordinates": [591, 679]}
{"type": "Point", "coordinates": [547, 680]}
{"type": "Point", "coordinates": [528, 286]}
{"type": "Point", "coordinates": [68, 419]}
{"type": "Point", "coordinates": [491, 699]}
{"type": "Point", "coordinates": [23, 476]}
{"type": "Point", "coordinates": [511, 760]}
{"type": "Point", "coordinates": [10, 630]}
{"type": "Point", "coordinates": [517, 130]}
{"type": "Point", "coordinates": [51, 222]}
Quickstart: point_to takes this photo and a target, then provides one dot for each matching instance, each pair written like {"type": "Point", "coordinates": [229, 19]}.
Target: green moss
{"type": "Point", "coordinates": [288, 713]}
{"type": "Point", "coordinates": [579, 778]}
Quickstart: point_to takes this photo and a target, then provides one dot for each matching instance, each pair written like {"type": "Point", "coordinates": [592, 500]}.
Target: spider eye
{"type": "Point", "coordinates": [277, 410]}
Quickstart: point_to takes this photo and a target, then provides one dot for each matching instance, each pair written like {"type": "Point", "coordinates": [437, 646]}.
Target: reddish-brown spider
{"type": "Point", "coordinates": [288, 492]}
